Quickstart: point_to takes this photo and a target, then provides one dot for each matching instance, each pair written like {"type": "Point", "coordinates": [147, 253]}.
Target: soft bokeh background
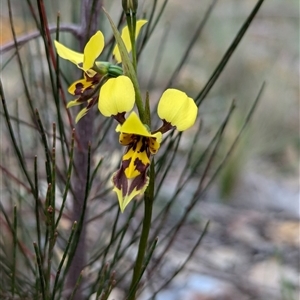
{"type": "Point", "coordinates": [253, 242]}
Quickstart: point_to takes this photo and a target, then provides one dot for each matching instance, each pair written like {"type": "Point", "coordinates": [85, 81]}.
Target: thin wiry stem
{"type": "Point", "coordinates": [179, 269]}
{"type": "Point", "coordinates": [192, 42]}
{"type": "Point", "coordinates": [148, 204]}
{"type": "Point", "coordinates": [41, 274]}
{"type": "Point", "coordinates": [228, 54]}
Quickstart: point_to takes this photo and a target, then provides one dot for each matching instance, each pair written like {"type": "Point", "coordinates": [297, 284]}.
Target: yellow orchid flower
{"type": "Point", "coordinates": [176, 110]}
{"type": "Point", "coordinates": [131, 179]}
{"type": "Point", "coordinates": [86, 61]}
{"type": "Point", "coordinates": [84, 89]}
{"type": "Point", "coordinates": [126, 39]}
{"type": "Point", "coordinates": [116, 97]}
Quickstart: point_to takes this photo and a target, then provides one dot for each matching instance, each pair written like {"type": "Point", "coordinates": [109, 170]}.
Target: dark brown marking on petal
{"type": "Point", "coordinates": [78, 88]}
{"type": "Point", "coordinates": [140, 166]}
{"type": "Point", "coordinates": [80, 65]}
{"type": "Point", "coordinates": [120, 117]}
{"type": "Point", "coordinates": [135, 142]}
{"type": "Point", "coordinates": [126, 163]}
{"type": "Point", "coordinates": [91, 102]}
{"type": "Point", "coordinates": [145, 144]}
{"type": "Point", "coordinates": [120, 181]}
{"type": "Point", "coordinates": [138, 182]}
{"type": "Point", "coordinates": [96, 79]}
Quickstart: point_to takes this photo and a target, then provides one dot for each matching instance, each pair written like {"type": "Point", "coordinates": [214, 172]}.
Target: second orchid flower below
{"type": "Point", "coordinates": [175, 109]}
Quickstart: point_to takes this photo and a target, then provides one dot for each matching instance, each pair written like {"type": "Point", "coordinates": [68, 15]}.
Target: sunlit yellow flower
{"type": "Point", "coordinates": [85, 60]}
{"type": "Point", "coordinates": [94, 47]}
{"type": "Point", "coordinates": [93, 70]}
{"type": "Point", "coordinates": [175, 109]}
{"type": "Point", "coordinates": [131, 179]}
{"type": "Point", "coordinates": [84, 90]}
{"type": "Point", "coordinates": [126, 39]}
{"type": "Point", "coordinates": [116, 97]}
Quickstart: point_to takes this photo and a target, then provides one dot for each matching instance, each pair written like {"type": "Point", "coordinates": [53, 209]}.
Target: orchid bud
{"type": "Point", "coordinates": [130, 6]}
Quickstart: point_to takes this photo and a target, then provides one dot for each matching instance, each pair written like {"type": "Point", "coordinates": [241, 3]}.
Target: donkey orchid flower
{"type": "Point", "coordinates": [175, 109]}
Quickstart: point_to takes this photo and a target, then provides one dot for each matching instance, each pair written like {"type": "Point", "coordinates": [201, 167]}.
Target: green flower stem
{"type": "Point", "coordinates": [68, 182]}
{"type": "Point", "coordinates": [131, 22]}
{"type": "Point", "coordinates": [37, 204]}
{"type": "Point", "coordinates": [127, 65]}
{"type": "Point", "coordinates": [41, 274]}
{"type": "Point", "coordinates": [63, 260]}
{"type": "Point", "coordinates": [76, 286]}
{"type": "Point", "coordinates": [148, 204]}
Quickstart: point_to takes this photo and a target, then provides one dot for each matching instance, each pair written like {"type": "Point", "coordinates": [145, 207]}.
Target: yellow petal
{"type": "Point", "coordinates": [73, 103]}
{"type": "Point", "coordinates": [77, 87]}
{"type": "Point", "coordinates": [127, 189]}
{"type": "Point", "coordinates": [125, 138]}
{"type": "Point", "coordinates": [126, 39]}
{"type": "Point", "coordinates": [154, 143]}
{"type": "Point", "coordinates": [92, 50]}
{"type": "Point", "coordinates": [66, 53]}
{"type": "Point", "coordinates": [134, 125]}
{"type": "Point", "coordinates": [81, 114]}
{"type": "Point", "coordinates": [136, 160]}
{"type": "Point", "coordinates": [178, 109]}
{"type": "Point", "coordinates": [116, 96]}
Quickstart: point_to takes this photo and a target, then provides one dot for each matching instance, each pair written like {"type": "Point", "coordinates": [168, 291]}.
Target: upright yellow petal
{"type": "Point", "coordinates": [126, 39]}
{"type": "Point", "coordinates": [178, 109]}
{"type": "Point", "coordinates": [92, 50]}
{"type": "Point", "coordinates": [68, 54]}
{"type": "Point", "coordinates": [116, 96]}
{"type": "Point", "coordinates": [139, 25]}
{"type": "Point", "coordinates": [134, 125]}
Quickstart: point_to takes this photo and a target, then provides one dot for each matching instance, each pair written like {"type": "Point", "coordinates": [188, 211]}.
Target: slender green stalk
{"type": "Point", "coordinates": [46, 148]}
{"type": "Point", "coordinates": [179, 269]}
{"type": "Point", "coordinates": [112, 236]}
{"type": "Point", "coordinates": [68, 182]}
{"type": "Point", "coordinates": [37, 203]}
{"type": "Point", "coordinates": [148, 256]}
{"type": "Point", "coordinates": [39, 263]}
{"type": "Point", "coordinates": [227, 55]}
{"type": "Point", "coordinates": [57, 91]}
{"type": "Point", "coordinates": [78, 240]}
{"type": "Point", "coordinates": [123, 230]}
{"type": "Point", "coordinates": [131, 23]}
{"type": "Point", "coordinates": [189, 47]}
{"type": "Point", "coordinates": [46, 212]}
{"type": "Point", "coordinates": [236, 140]}
{"type": "Point", "coordinates": [11, 132]}
{"type": "Point", "coordinates": [15, 241]}
{"type": "Point", "coordinates": [128, 67]}
{"type": "Point", "coordinates": [102, 279]}
{"type": "Point", "coordinates": [173, 232]}
{"type": "Point", "coordinates": [76, 286]}
{"type": "Point", "coordinates": [53, 179]}
{"type": "Point", "coordinates": [148, 203]}
{"type": "Point", "coordinates": [21, 68]}
{"type": "Point", "coordinates": [63, 260]}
